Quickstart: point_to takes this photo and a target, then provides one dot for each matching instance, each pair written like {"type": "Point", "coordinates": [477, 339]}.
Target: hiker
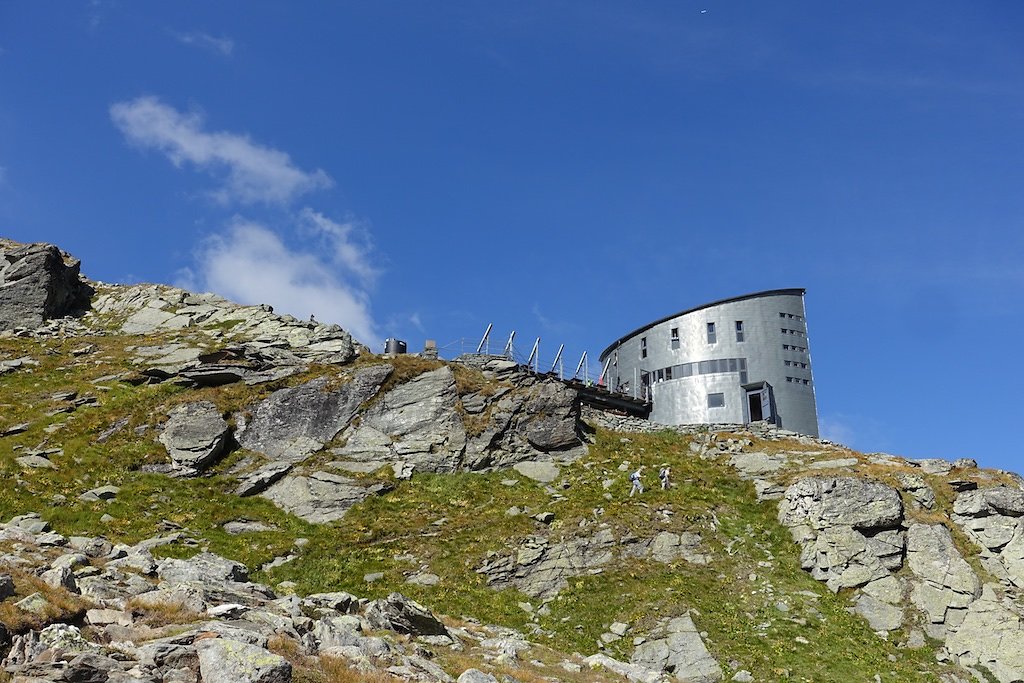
{"type": "Point", "coordinates": [634, 478]}
{"type": "Point", "coordinates": [664, 473]}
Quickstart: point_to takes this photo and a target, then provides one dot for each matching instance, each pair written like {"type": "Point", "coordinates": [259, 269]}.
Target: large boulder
{"type": "Point", "coordinates": [38, 282]}
{"type": "Point", "coordinates": [296, 422]}
{"type": "Point", "coordinates": [402, 615]}
{"type": "Point", "coordinates": [195, 434]}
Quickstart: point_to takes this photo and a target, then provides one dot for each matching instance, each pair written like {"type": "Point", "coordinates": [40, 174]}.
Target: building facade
{"type": "Point", "coordinates": [737, 360]}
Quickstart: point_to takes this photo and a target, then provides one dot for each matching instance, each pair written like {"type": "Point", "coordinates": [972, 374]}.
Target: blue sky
{"type": "Point", "coordinates": [568, 170]}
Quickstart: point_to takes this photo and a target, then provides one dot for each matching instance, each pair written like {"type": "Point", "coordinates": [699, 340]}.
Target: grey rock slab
{"type": "Point", "coordinates": [204, 567]}
{"type": "Point", "coordinates": [261, 478]}
{"type": "Point", "coordinates": [295, 422]}
{"type": "Point", "coordinates": [35, 462]}
{"type": "Point", "coordinates": [475, 676]}
{"type": "Point", "coordinates": [544, 472]}
{"type": "Point", "coordinates": [756, 465]}
{"type": "Point", "coordinates": [319, 498]}
{"type": "Point", "coordinates": [237, 527]}
{"type": "Point", "coordinates": [100, 493]}
{"type": "Point", "coordinates": [838, 463]}
{"type": "Point", "coordinates": [228, 661]}
{"type": "Point", "coordinates": [880, 615]}
{"type": "Point", "coordinates": [195, 434]}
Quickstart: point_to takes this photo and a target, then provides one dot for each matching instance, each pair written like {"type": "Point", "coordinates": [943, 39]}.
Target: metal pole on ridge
{"type": "Point", "coordinates": [558, 362]}
{"type": "Point", "coordinates": [531, 362]}
{"type": "Point", "coordinates": [486, 338]}
{"type": "Point", "coordinates": [508, 346]}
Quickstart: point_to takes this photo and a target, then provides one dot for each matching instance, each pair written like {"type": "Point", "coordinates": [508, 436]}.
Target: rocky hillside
{"type": "Point", "coordinates": [194, 490]}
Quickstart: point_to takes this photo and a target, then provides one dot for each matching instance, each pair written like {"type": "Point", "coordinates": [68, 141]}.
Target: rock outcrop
{"type": "Point", "coordinates": [38, 282]}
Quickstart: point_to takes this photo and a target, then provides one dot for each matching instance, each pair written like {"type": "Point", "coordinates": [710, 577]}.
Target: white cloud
{"type": "Point", "coordinates": [251, 265]}
{"type": "Point", "coordinates": [222, 45]}
{"type": "Point", "coordinates": [347, 242]}
{"type": "Point", "coordinates": [253, 173]}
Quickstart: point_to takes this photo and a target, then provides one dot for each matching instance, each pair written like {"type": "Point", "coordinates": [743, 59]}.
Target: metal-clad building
{"type": "Point", "coordinates": [732, 361]}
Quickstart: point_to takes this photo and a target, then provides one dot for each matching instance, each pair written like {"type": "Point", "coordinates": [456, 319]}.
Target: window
{"type": "Point", "coordinates": [739, 330]}
{"type": "Point", "coordinates": [675, 337]}
{"type": "Point", "coordinates": [643, 347]}
{"type": "Point", "coordinates": [668, 372]}
{"type": "Point", "coordinates": [716, 400]}
{"type": "Point", "coordinates": [712, 338]}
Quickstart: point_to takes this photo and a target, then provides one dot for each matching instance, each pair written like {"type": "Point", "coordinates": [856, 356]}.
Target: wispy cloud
{"type": "Point", "coordinates": [223, 45]}
{"type": "Point", "coordinates": [250, 173]}
{"type": "Point", "coordinates": [348, 243]}
{"type": "Point", "coordinates": [836, 428]}
{"type": "Point", "coordinates": [249, 263]}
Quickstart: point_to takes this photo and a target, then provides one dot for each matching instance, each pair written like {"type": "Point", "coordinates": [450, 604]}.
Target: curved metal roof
{"type": "Point", "coordinates": [798, 291]}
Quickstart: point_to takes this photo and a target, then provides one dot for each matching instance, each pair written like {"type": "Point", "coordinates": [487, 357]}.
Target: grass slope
{"type": "Point", "coordinates": [760, 611]}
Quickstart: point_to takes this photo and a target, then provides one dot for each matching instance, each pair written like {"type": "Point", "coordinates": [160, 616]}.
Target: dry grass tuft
{"type": "Point", "coordinates": [160, 614]}
{"type": "Point", "coordinates": [61, 605]}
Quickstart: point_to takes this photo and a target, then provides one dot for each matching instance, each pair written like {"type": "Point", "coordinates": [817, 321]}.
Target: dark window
{"type": "Point", "coordinates": [704, 367]}
{"type": "Point", "coordinates": [743, 364]}
{"type": "Point", "coordinates": [643, 347]}
{"type": "Point", "coordinates": [739, 330]}
{"type": "Point", "coordinates": [668, 372]}
{"type": "Point", "coordinates": [660, 375]}
{"type": "Point", "coordinates": [712, 338]}
{"type": "Point", "coordinates": [674, 335]}
{"type": "Point", "coordinates": [733, 365]}
{"type": "Point", "coordinates": [716, 400]}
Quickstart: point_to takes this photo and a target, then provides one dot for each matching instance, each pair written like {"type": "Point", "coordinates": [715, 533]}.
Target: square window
{"type": "Point", "coordinates": [716, 400]}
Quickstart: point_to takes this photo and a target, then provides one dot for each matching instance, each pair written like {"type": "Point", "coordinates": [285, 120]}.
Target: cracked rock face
{"type": "Point", "coordinates": [994, 519]}
{"type": "Point", "coordinates": [296, 422]}
{"type": "Point", "coordinates": [415, 422]}
{"type": "Point", "coordinates": [847, 528]}
{"type": "Point", "coordinates": [990, 635]}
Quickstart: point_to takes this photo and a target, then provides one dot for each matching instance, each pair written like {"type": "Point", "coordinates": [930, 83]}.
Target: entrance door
{"type": "Point", "coordinates": [754, 403]}
{"type": "Point", "coordinates": [759, 402]}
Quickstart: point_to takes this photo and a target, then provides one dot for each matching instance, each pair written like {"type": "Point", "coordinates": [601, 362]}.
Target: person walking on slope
{"type": "Point", "coordinates": [634, 479]}
{"type": "Point", "coordinates": [664, 473]}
